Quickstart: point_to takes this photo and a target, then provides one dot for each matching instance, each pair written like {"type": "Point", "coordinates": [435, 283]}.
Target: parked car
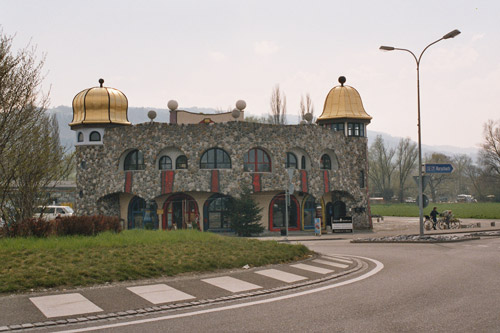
{"type": "Point", "coordinates": [51, 212]}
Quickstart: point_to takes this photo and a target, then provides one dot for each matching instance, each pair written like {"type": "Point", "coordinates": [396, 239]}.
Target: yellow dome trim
{"type": "Point", "coordinates": [100, 105]}
{"type": "Point", "coordinates": [343, 102]}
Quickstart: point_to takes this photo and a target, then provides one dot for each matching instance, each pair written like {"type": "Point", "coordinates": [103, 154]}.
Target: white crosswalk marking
{"type": "Point", "coordinates": [64, 305]}
{"type": "Point", "coordinates": [330, 263]}
{"type": "Point", "coordinates": [281, 276]}
{"type": "Point", "coordinates": [231, 284]}
{"type": "Point", "coordinates": [311, 268]}
{"type": "Point", "coordinates": [160, 293]}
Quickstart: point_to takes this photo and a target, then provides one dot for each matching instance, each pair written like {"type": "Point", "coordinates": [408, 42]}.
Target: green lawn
{"type": "Point", "coordinates": [480, 210]}
{"type": "Point", "coordinates": [33, 263]}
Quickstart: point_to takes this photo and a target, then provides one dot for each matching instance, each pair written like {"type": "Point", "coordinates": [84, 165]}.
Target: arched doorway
{"type": "Point", "coordinates": [277, 213]}
{"type": "Point", "coordinates": [142, 214]}
{"type": "Point", "coordinates": [339, 210]}
{"type": "Point", "coordinates": [215, 213]}
{"type": "Point", "coordinates": [136, 210]}
{"type": "Point", "coordinates": [309, 211]}
{"type": "Point", "coordinates": [180, 212]}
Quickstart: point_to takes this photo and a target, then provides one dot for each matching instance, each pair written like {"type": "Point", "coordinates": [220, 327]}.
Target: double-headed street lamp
{"type": "Point", "coordinates": [450, 34]}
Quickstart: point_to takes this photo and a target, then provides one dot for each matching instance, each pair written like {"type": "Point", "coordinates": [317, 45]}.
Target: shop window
{"type": "Point", "coordinates": [216, 213]}
{"type": "Point", "coordinates": [215, 158]}
{"type": "Point", "coordinates": [257, 160]}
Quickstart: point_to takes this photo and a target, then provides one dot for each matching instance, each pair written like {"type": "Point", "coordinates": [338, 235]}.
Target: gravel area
{"type": "Point", "coordinates": [417, 239]}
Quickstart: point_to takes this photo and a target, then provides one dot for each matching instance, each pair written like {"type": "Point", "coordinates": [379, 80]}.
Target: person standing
{"type": "Point", "coordinates": [434, 214]}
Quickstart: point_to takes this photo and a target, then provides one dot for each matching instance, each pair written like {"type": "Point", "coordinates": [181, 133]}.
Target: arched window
{"type": "Point", "coordinates": [79, 137]}
{"type": "Point", "coordinates": [216, 213]}
{"type": "Point", "coordinates": [291, 161]}
{"type": "Point", "coordinates": [303, 163]}
{"type": "Point", "coordinates": [215, 158]}
{"type": "Point", "coordinates": [165, 163]}
{"type": "Point", "coordinates": [257, 160]}
{"type": "Point", "coordinates": [95, 136]}
{"type": "Point", "coordinates": [326, 162]}
{"type": "Point", "coordinates": [181, 162]}
{"type": "Point", "coordinates": [134, 161]}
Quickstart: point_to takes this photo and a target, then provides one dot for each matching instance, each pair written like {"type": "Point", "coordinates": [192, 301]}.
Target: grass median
{"type": "Point", "coordinates": [37, 263]}
{"type": "Point", "coordinates": [477, 210]}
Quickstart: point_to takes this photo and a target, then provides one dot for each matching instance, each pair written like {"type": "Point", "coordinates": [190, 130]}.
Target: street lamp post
{"type": "Point", "coordinates": [451, 34]}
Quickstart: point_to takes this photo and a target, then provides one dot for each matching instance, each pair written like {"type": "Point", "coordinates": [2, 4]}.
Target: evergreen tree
{"type": "Point", "coordinates": [244, 214]}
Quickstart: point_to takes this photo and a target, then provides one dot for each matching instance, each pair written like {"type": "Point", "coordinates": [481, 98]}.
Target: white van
{"type": "Point", "coordinates": [51, 212]}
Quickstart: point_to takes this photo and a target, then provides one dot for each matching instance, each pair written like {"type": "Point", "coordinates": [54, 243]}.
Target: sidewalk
{"type": "Point", "coordinates": [389, 226]}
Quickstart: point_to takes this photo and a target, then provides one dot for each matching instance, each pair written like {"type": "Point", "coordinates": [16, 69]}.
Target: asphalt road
{"type": "Point", "coordinates": [446, 287]}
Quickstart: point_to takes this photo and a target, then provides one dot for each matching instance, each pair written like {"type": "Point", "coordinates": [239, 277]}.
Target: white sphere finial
{"type": "Point", "coordinates": [241, 105]}
{"type": "Point", "coordinates": [172, 105]}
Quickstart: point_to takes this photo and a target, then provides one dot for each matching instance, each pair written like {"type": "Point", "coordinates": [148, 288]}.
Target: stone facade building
{"type": "Point", "coordinates": [181, 174]}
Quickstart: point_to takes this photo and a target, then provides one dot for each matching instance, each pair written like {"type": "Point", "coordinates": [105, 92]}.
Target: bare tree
{"type": "Point", "coordinates": [306, 107]}
{"type": "Point", "coordinates": [381, 168]}
{"type": "Point", "coordinates": [30, 152]}
{"type": "Point", "coordinates": [278, 107]}
{"type": "Point", "coordinates": [490, 148]}
{"type": "Point", "coordinates": [406, 156]}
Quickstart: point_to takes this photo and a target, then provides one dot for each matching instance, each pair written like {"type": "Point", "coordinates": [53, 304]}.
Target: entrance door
{"type": "Point", "coordinates": [136, 210]}
{"type": "Point", "coordinates": [181, 212]}
{"type": "Point", "coordinates": [339, 210]}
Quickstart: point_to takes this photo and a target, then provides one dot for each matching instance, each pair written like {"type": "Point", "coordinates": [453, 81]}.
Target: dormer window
{"type": "Point", "coordinates": [95, 136]}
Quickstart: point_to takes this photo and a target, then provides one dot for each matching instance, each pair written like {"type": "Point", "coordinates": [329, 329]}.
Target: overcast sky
{"type": "Point", "coordinates": [212, 53]}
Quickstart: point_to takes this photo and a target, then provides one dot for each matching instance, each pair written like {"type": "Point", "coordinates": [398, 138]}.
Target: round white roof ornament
{"type": "Point", "coordinates": [152, 115]}
{"type": "Point", "coordinates": [303, 122]}
{"type": "Point", "coordinates": [241, 105]}
{"type": "Point", "coordinates": [172, 105]}
{"type": "Point", "coordinates": [308, 117]}
{"type": "Point", "coordinates": [236, 113]}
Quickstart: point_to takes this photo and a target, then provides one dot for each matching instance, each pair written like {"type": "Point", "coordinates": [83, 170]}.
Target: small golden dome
{"type": "Point", "coordinates": [100, 106]}
{"type": "Point", "coordinates": [343, 102]}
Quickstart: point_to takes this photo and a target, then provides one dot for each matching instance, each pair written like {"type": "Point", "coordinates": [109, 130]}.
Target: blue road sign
{"type": "Point", "coordinates": [438, 168]}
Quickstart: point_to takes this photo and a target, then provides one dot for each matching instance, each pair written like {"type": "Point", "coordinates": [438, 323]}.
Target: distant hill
{"type": "Point", "coordinates": [136, 115]}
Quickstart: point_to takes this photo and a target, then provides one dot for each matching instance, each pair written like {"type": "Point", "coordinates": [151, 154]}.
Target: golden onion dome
{"type": "Point", "coordinates": [100, 106]}
{"type": "Point", "coordinates": [343, 102]}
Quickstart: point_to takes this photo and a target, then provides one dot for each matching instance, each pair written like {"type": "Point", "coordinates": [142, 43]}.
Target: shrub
{"type": "Point", "coordinates": [65, 226]}
{"type": "Point", "coordinates": [35, 227]}
{"type": "Point", "coordinates": [86, 225]}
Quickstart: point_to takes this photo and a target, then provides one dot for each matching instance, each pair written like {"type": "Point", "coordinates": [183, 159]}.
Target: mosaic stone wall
{"type": "Point", "coordinates": [100, 167]}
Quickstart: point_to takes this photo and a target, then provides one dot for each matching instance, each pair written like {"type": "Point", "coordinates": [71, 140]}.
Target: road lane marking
{"type": "Point", "coordinates": [231, 284]}
{"type": "Point", "coordinates": [64, 305]}
{"type": "Point", "coordinates": [311, 268]}
{"type": "Point", "coordinates": [160, 293]}
{"type": "Point", "coordinates": [378, 267]}
{"type": "Point", "coordinates": [281, 276]}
